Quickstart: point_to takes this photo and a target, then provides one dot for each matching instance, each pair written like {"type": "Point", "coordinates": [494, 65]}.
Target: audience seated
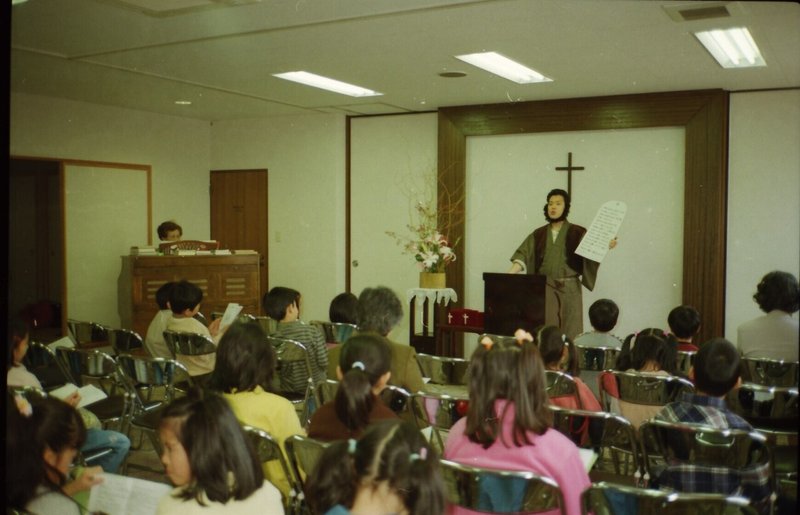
{"type": "Point", "coordinates": [379, 310]}
{"type": "Point", "coordinates": [390, 469]}
{"type": "Point", "coordinates": [774, 335]}
{"type": "Point", "coordinates": [42, 440]}
{"type": "Point", "coordinates": [96, 438]}
{"type": "Point", "coordinates": [283, 304]}
{"type": "Point", "coordinates": [210, 460]}
{"type": "Point", "coordinates": [184, 301]}
{"type": "Point", "coordinates": [684, 322]}
{"type": "Point", "coordinates": [243, 373]}
{"type": "Point", "coordinates": [716, 372]}
{"type": "Point", "coordinates": [363, 372]}
{"type": "Point", "coordinates": [603, 315]}
{"type": "Point", "coordinates": [154, 339]}
{"type": "Point", "coordinates": [508, 423]}
{"type": "Point", "coordinates": [344, 309]}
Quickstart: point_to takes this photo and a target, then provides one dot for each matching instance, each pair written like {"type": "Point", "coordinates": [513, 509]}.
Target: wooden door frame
{"type": "Point", "coordinates": [703, 115]}
{"type": "Point", "coordinates": [63, 163]}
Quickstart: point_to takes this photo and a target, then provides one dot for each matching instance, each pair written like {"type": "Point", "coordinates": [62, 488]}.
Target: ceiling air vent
{"type": "Point", "coordinates": [707, 11]}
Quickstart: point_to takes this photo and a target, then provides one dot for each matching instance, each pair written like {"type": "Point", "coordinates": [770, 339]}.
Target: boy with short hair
{"type": "Point", "coordinates": [184, 301]}
{"type": "Point", "coordinates": [154, 339]}
{"type": "Point", "coordinates": [684, 322]}
{"type": "Point", "coordinates": [603, 315]}
{"type": "Point", "coordinates": [716, 372]}
{"type": "Point", "coordinates": [283, 304]}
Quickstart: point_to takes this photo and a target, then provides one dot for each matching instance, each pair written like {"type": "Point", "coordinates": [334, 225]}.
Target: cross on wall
{"type": "Point", "coordinates": [569, 168]}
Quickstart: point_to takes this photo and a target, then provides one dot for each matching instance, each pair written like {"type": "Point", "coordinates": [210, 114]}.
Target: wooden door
{"type": "Point", "coordinates": [239, 213]}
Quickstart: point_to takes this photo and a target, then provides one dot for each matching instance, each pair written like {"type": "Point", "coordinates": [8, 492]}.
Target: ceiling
{"type": "Point", "coordinates": [221, 54]}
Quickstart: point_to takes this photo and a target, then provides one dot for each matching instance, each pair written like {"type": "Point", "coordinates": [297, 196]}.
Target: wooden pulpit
{"type": "Point", "coordinates": [513, 301]}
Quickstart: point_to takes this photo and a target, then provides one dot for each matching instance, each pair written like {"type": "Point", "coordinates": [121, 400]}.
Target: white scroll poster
{"type": "Point", "coordinates": [604, 228]}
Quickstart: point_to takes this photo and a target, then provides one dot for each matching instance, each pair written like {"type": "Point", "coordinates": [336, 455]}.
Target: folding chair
{"type": "Point", "coordinates": [668, 448]}
{"type": "Point", "coordinates": [594, 360]}
{"type": "Point", "coordinates": [100, 368]}
{"type": "Point", "coordinates": [770, 372]}
{"type": "Point", "coordinates": [393, 397]}
{"type": "Point", "coordinates": [561, 385]}
{"type": "Point", "coordinates": [88, 335]}
{"type": "Point", "coordinates": [304, 453]}
{"type": "Point", "coordinates": [610, 499]}
{"type": "Point", "coordinates": [293, 355]}
{"type": "Point", "coordinates": [335, 332]}
{"type": "Point", "coordinates": [499, 491]}
{"type": "Point", "coordinates": [124, 341]}
{"type": "Point", "coordinates": [641, 396]}
{"type": "Point", "coordinates": [685, 361]}
{"type": "Point", "coordinates": [41, 361]}
{"type": "Point", "coordinates": [611, 436]}
{"type": "Point", "coordinates": [268, 324]}
{"type": "Point", "coordinates": [439, 411]}
{"type": "Point", "coordinates": [143, 375]}
{"type": "Point", "coordinates": [189, 344]}
{"type": "Point", "coordinates": [268, 450]}
{"type": "Point", "coordinates": [442, 370]}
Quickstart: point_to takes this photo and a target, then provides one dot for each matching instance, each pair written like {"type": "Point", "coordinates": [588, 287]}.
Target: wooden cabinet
{"type": "Point", "coordinates": [223, 279]}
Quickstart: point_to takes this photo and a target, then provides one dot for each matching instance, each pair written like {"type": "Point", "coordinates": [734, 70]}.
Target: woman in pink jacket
{"type": "Point", "coordinates": [508, 424]}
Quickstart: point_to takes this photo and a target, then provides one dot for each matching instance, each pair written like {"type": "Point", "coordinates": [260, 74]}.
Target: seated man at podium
{"type": "Point", "coordinates": [550, 251]}
{"type": "Point", "coordinates": [169, 231]}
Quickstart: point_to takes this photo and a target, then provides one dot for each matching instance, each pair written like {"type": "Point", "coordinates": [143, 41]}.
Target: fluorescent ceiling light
{"type": "Point", "coordinates": [504, 67]}
{"type": "Point", "coordinates": [732, 48]}
{"type": "Point", "coordinates": [318, 81]}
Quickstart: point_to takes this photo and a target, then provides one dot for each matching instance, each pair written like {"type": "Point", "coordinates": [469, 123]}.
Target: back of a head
{"type": "Point", "coordinates": [364, 359]}
{"type": "Point", "coordinates": [716, 367]}
{"type": "Point", "coordinates": [392, 452]}
{"type": "Point", "coordinates": [684, 321]}
{"type": "Point", "coordinates": [645, 346]}
{"type": "Point", "coordinates": [344, 309]}
{"type": "Point", "coordinates": [512, 371]}
{"type": "Point", "coordinates": [603, 315]}
{"type": "Point", "coordinates": [49, 424]}
{"type": "Point", "coordinates": [244, 359]}
{"type": "Point", "coordinates": [163, 295]}
{"type": "Point", "coordinates": [277, 300]}
{"type": "Point", "coordinates": [217, 448]}
{"type": "Point", "coordinates": [185, 295]}
{"type": "Point", "coordinates": [778, 290]}
{"type": "Point", "coordinates": [379, 310]}
{"type": "Point", "coordinates": [551, 341]}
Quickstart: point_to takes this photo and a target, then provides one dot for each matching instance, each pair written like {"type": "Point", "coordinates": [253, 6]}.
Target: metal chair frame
{"type": "Point", "coordinates": [770, 372]}
{"type": "Point", "coordinates": [335, 332]}
{"type": "Point", "coordinates": [291, 351]}
{"type": "Point", "coordinates": [188, 344]}
{"type": "Point", "coordinates": [124, 341]}
{"type": "Point", "coordinates": [685, 361]}
{"type": "Point", "coordinates": [497, 338]}
{"type": "Point", "coordinates": [597, 500]}
{"type": "Point", "coordinates": [304, 454]}
{"type": "Point", "coordinates": [443, 370]}
{"type": "Point", "coordinates": [268, 449]}
{"type": "Point", "coordinates": [41, 356]}
{"type": "Point", "coordinates": [561, 384]}
{"type": "Point", "coordinates": [596, 359]}
{"type": "Point", "coordinates": [447, 405]}
{"type": "Point", "coordinates": [87, 333]}
{"type": "Point", "coordinates": [652, 390]}
{"type": "Point", "coordinates": [471, 487]}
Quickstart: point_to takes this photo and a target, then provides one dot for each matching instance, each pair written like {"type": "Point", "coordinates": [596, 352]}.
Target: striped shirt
{"type": "Point", "coordinates": [293, 376]}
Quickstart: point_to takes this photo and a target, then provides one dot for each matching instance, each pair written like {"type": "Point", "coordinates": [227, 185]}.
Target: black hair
{"type": "Point", "coordinates": [354, 398]}
{"type": "Point", "coordinates": [389, 451]}
{"type": "Point", "coordinates": [511, 370]}
{"type": "Point", "coordinates": [778, 290]}
{"type": "Point", "coordinates": [716, 367]}
{"type": "Point", "coordinates": [551, 341]}
{"type": "Point", "coordinates": [344, 309]}
{"type": "Point", "coordinates": [163, 295]}
{"type": "Point", "coordinates": [603, 315]}
{"type": "Point", "coordinates": [278, 299]}
{"type": "Point", "coordinates": [185, 295]}
{"type": "Point", "coordinates": [166, 227]}
{"type": "Point", "coordinates": [379, 310]}
{"type": "Point", "coordinates": [18, 330]}
{"type": "Point", "coordinates": [222, 458]}
{"type": "Point", "coordinates": [567, 203]}
{"type": "Point", "coordinates": [244, 359]}
{"type": "Point", "coordinates": [684, 321]}
{"type": "Point", "coordinates": [52, 424]}
{"type": "Point", "coordinates": [647, 345]}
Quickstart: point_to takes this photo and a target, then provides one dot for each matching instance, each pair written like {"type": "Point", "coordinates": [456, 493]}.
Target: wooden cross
{"type": "Point", "coordinates": [569, 169]}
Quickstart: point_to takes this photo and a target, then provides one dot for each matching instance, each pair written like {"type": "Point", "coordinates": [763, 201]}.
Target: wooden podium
{"type": "Point", "coordinates": [513, 301]}
{"type": "Point", "coordinates": [223, 279]}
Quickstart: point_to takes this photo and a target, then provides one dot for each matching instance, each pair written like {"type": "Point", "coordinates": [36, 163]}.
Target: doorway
{"type": "Point", "coordinates": [239, 213]}
{"type": "Point", "coordinates": [36, 246]}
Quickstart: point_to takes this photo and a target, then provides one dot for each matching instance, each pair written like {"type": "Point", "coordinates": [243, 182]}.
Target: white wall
{"type": "Point", "coordinates": [764, 196]}
{"type": "Point", "coordinates": [305, 159]}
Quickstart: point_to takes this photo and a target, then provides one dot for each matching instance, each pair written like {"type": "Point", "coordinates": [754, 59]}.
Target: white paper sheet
{"type": "Point", "coordinates": [604, 228]}
{"type": "Point", "coordinates": [126, 495]}
{"type": "Point", "coordinates": [89, 393]}
{"type": "Point", "coordinates": [66, 341]}
{"type": "Point", "coordinates": [229, 317]}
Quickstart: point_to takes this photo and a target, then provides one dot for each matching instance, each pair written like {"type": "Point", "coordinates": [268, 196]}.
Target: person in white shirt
{"type": "Point", "coordinates": [775, 334]}
{"type": "Point", "coordinates": [154, 339]}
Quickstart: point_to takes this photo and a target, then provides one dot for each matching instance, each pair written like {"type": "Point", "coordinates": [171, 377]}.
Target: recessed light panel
{"type": "Point", "coordinates": [318, 81]}
{"type": "Point", "coordinates": [504, 67]}
{"type": "Point", "coordinates": [732, 48]}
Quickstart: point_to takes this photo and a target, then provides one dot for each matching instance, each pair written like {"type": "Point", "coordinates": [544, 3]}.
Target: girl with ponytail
{"type": "Point", "coordinates": [363, 372]}
{"type": "Point", "coordinates": [390, 469]}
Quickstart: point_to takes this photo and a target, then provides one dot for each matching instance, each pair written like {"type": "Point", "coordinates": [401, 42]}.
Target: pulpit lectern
{"type": "Point", "coordinates": [513, 301]}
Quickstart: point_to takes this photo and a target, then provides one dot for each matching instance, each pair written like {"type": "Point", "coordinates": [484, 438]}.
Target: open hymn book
{"type": "Point", "coordinates": [89, 393]}
{"type": "Point", "coordinates": [118, 495]}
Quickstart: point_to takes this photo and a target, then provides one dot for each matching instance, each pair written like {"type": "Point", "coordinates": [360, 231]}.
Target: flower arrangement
{"type": "Point", "coordinates": [430, 248]}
